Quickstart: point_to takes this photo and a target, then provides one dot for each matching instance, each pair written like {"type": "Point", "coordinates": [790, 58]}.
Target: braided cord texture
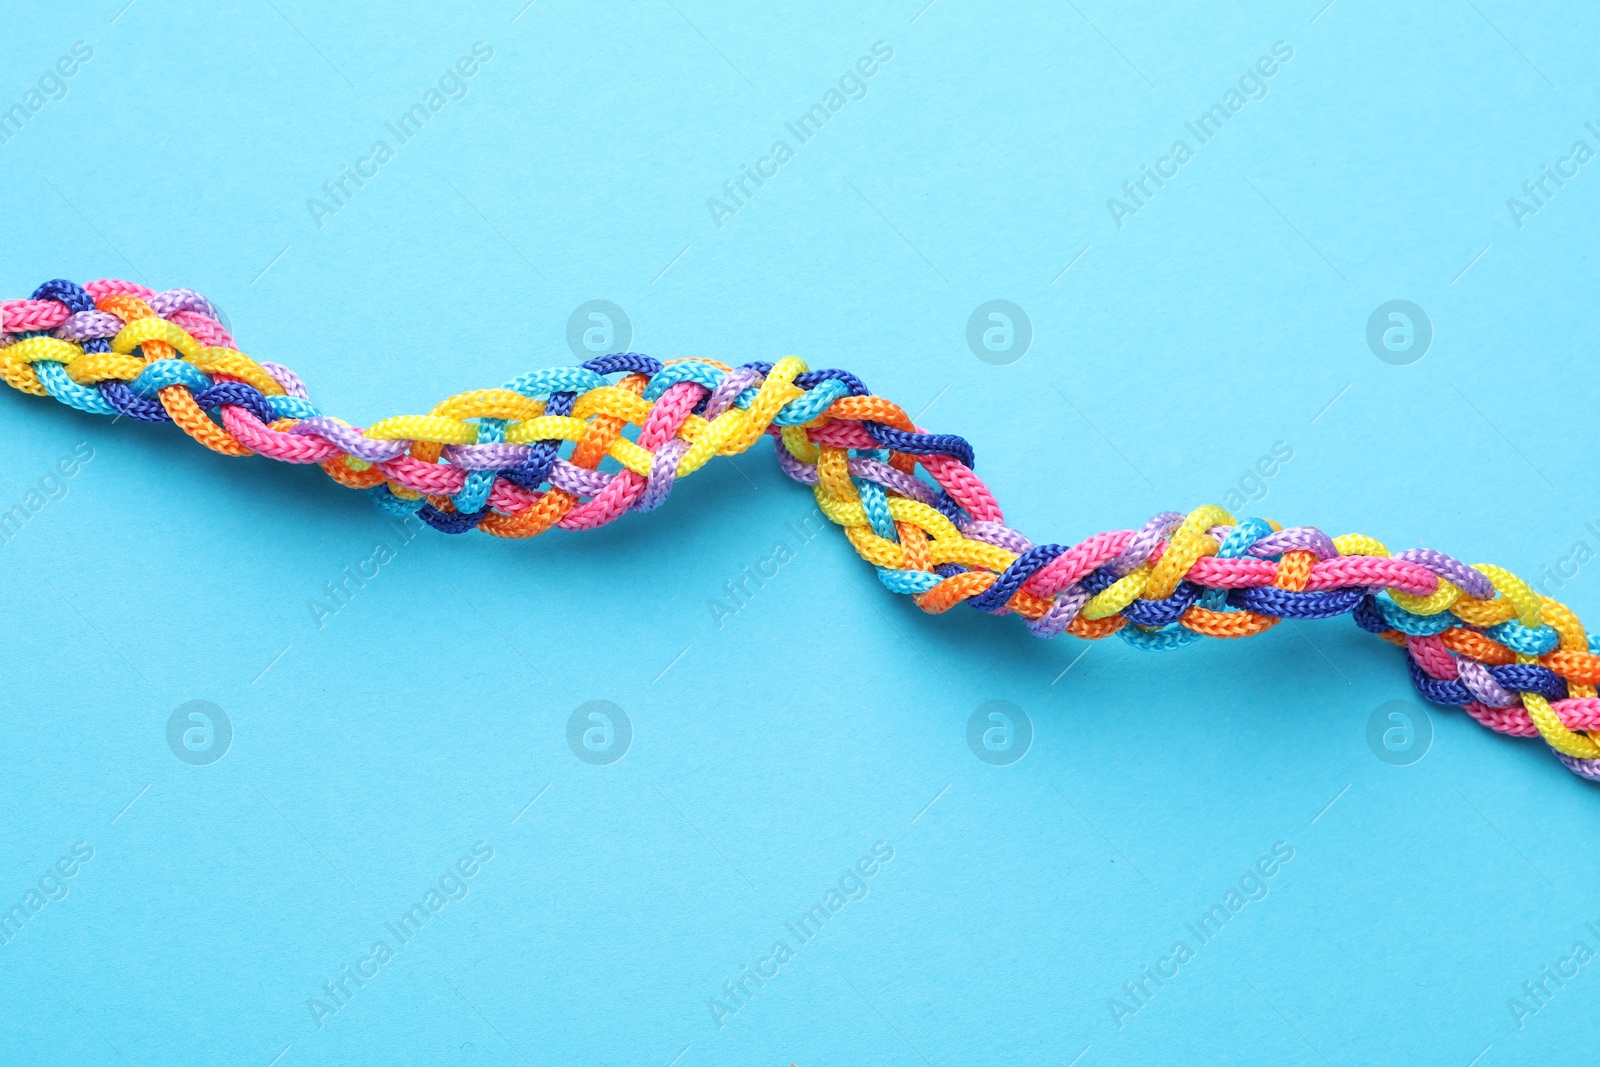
{"type": "Point", "coordinates": [578, 447]}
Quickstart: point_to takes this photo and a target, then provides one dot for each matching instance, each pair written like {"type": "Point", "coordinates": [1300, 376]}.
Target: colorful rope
{"type": "Point", "coordinates": [499, 460]}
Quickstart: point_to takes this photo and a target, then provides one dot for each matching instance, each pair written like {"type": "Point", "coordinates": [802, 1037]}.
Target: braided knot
{"type": "Point", "coordinates": [578, 447]}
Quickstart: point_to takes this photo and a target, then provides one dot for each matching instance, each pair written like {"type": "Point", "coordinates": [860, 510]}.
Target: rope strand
{"type": "Point", "coordinates": [579, 447]}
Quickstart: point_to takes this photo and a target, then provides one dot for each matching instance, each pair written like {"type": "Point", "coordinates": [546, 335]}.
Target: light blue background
{"type": "Point", "coordinates": [827, 715]}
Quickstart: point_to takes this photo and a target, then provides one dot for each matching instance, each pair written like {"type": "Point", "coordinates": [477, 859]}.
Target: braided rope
{"type": "Point", "coordinates": [498, 460]}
